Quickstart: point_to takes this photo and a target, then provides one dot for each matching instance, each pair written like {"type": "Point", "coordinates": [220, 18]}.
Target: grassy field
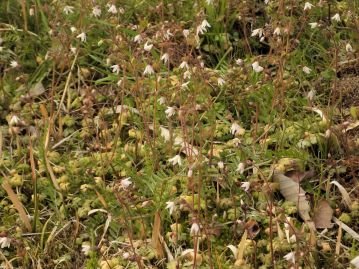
{"type": "Point", "coordinates": [179, 134]}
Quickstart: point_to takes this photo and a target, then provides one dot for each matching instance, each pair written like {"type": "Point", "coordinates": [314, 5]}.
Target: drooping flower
{"type": "Point", "coordinates": [348, 47]}
{"type": "Point", "coordinates": [256, 67]}
{"type": "Point", "coordinates": [221, 81]}
{"type": "Point", "coordinates": [245, 185]}
{"type": "Point", "coordinates": [82, 37]}
{"type": "Point", "coordinates": [148, 70]}
{"type": "Point", "coordinates": [115, 68]}
{"type": "Point", "coordinates": [183, 65]}
{"type": "Point", "coordinates": [185, 85]}
{"type": "Point", "coordinates": [165, 58]}
{"type": "Point", "coordinates": [112, 9]}
{"type": "Point", "coordinates": [190, 173]}
{"type": "Point", "coordinates": [313, 25]}
{"type": "Point", "coordinates": [194, 229]}
{"type": "Point", "coordinates": [257, 32]}
{"type": "Point", "coordinates": [336, 17]}
{"type": "Point", "coordinates": [185, 33]}
{"type": "Point", "coordinates": [5, 242]}
{"type": "Point", "coordinates": [86, 248]}
{"type": "Point", "coordinates": [14, 64]}
{"type": "Point", "coordinates": [307, 70]}
{"type": "Point", "coordinates": [137, 39]}
{"type": "Point", "coordinates": [96, 11]}
{"type": "Point", "coordinates": [125, 183]}
{"type": "Point", "coordinates": [170, 111]}
{"type": "Point", "coordinates": [236, 128]}
{"type": "Point", "coordinates": [311, 94]}
{"type": "Point", "coordinates": [73, 29]}
{"type": "Point", "coordinates": [68, 9]}
{"type": "Point", "coordinates": [276, 31]}
{"type": "Point", "coordinates": [202, 28]}
{"type": "Point", "coordinates": [14, 120]}
{"type": "Point", "coordinates": [147, 46]}
{"type": "Point", "coordinates": [220, 165]}
{"type": "Point", "coordinates": [170, 206]}
{"type": "Point", "coordinates": [161, 100]}
{"type": "Point", "coordinates": [308, 6]}
{"type": "Point", "coordinates": [290, 257]}
{"type": "Point", "coordinates": [165, 133]}
{"type": "Point", "coordinates": [239, 61]}
{"type": "Point", "coordinates": [175, 160]}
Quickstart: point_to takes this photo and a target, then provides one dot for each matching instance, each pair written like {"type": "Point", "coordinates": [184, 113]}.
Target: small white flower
{"type": "Point", "coordinates": [328, 132]}
{"type": "Point", "coordinates": [202, 28]}
{"type": "Point", "coordinates": [290, 257]}
{"type": "Point", "coordinates": [235, 128]}
{"type": "Point", "coordinates": [355, 262]}
{"type": "Point", "coordinates": [14, 120]}
{"type": "Point", "coordinates": [165, 58]}
{"type": "Point", "coordinates": [170, 111]}
{"type": "Point", "coordinates": [31, 12]}
{"type": "Point", "coordinates": [313, 25]}
{"type": "Point", "coordinates": [82, 37]}
{"type": "Point", "coordinates": [126, 255]}
{"type": "Point", "coordinates": [86, 248]}
{"type": "Point", "coordinates": [187, 75]}
{"type": "Point", "coordinates": [68, 10]}
{"type": "Point", "coordinates": [194, 229]}
{"type": "Point", "coordinates": [240, 168]}
{"type": "Point", "coordinates": [161, 100]}
{"type": "Point", "coordinates": [14, 64]}
{"type": "Point", "coordinates": [147, 47]}
{"type": "Point", "coordinates": [245, 186]}
{"type": "Point", "coordinates": [220, 165]}
{"type": "Point", "coordinates": [73, 29]}
{"type": "Point", "coordinates": [175, 160]}
{"type": "Point", "coordinates": [148, 70]}
{"type": "Point", "coordinates": [256, 67]}
{"type": "Point", "coordinates": [307, 70]}
{"type": "Point", "coordinates": [170, 206]}
{"type": "Point", "coordinates": [348, 47]}
{"type": "Point", "coordinates": [115, 68]}
{"type": "Point", "coordinates": [96, 11]}
{"type": "Point", "coordinates": [183, 65]}
{"type": "Point", "coordinates": [221, 81]}
{"type": "Point", "coordinates": [168, 34]}
{"type": "Point", "coordinates": [308, 6]}
{"type": "Point", "coordinates": [5, 242]}
{"type": "Point", "coordinates": [73, 50]}
{"type": "Point", "coordinates": [205, 24]}
{"type": "Point", "coordinates": [257, 32]}
{"type": "Point", "coordinates": [276, 31]}
{"type": "Point", "coordinates": [165, 133]}
{"type": "Point", "coordinates": [137, 39]}
{"type": "Point", "coordinates": [239, 61]}
{"type": "Point", "coordinates": [190, 173]}
{"type": "Point", "coordinates": [266, 2]}
{"type": "Point", "coordinates": [125, 183]}
{"type": "Point", "coordinates": [112, 9]}
{"type": "Point", "coordinates": [185, 85]}
{"type": "Point", "coordinates": [311, 94]}
{"type": "Point", "coordinates": [336, 17]}
{"type": "Point", "coordinates": [185, 33]}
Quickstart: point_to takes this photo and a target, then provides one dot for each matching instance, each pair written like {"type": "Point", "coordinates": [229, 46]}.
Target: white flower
{"type": "Point", "coordinates": [96, 11]}
{"type": "Point", "coordinates": [137, 39]}
{"type": "Point", "coordinates": [187, 75]}
{"type": "Point", "coordinates": [170, 111]}
{"type": "Point", "coordinates": [190, 172]}
{"type": "Point", "coordinates": [82, 36]}
{"type": "Point", "coordinates": [147, 47]}
{"type": "Point", "coordinates": [256, 67]}
{"type": "Point", "coordinates": [5, 242]}
{"type": "Point", "coordinates": [31, 12]}
{"type": "Point", "coordinates": [14, 120]}
{"type": "Point", "coordinates": [73, 50]}
{"type": "Point", "coordinates": [112, 9]}
{"type": "Point", "coordinates": [126, 255]}
{"type": "Point", "coordinates": [313, 25]}
{"type": "Point", "coordinates": [73, 29]}
{"type": "Point", "coordinates": [307, 70]}
{"type": "Point", "coordinates": [125, 183]}
{"type": "Point", "coordinates": [68, 10]}
{"type": "Point", "coordinates": [202, 28]}
{"type": "Point", "coordinates": [115, 68]}
{"type": "Point", "coordinates": [185, 85]}
{"type": "Point", "coordinates": [148, 70]}
{"type": "Point", "coordinates": [311, 94]}
{"type": "Point", "coordinates": [336, 17]}
{"type": "Point", "coordinates": [355, 262]}
{"type": "Point", "coordinates": [170, 206]}
{"type": "Point", "coordinates": [185, 33]}
{"type": "Point", "coordinates": [266, 2]}
{"type": "Point", "coordinates": [348, 47]}
{"type": "Point", "coordinates": [184, 64]}
{"type": "Point", "coordinates": [221, 81]}
{"type": "Point", "coordinates": [161, 100]}
{"type": "Point", "coordinates": [175, 160]}
{"type": "Point", "coordinates": [290, 257]}
{"type": "Point", "coordinates": [245, 185]}
{"type": "Point", "coordinates": [14, 64]}
{"type": "Point", "coordinates": [239, 61]}
{"type": "Point", "coordinates": [168, 34]}
{"type": "Point", "coordinates": [86, 248]}
{"type": "Point", "coordinates": [119, 83]}
{"type": "Point", "coordinates": [257, 32]}
{"type": "Point", "coordinates": [165, 58]}
{"type": "Point", "coordinates": [327, 134]}
{"type": "Point", "coordinates": [240, 168]}
{"type": "Point", "coordinates": [276, 31]}
{"type": "Point", "coordinates": [194, 229]}
{"type": "Point", "coordinates": [308, 6]}
{"type": "Point", "coordinates": [220, 165]}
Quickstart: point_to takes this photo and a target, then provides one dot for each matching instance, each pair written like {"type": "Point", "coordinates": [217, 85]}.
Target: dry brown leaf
{"type": "Point", "coordinates": [323, 214]}
{"type": "Point", "coordinates": [294, 193]}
